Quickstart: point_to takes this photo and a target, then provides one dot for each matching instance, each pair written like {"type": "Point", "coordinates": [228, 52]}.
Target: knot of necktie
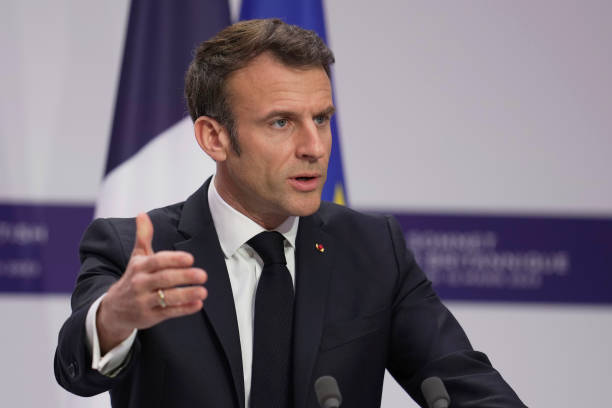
{"type": "Point", "coordinates": [270, 247]}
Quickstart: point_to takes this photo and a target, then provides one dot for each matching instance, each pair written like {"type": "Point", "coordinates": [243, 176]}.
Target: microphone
{"type": "Point", "coordinates": [328, 393]}
{"type": "Point", "coordinates": [435, 394]}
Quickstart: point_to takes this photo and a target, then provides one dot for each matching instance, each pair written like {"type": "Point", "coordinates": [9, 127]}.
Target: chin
{"type": "Point", "coordinates": [307, 207]}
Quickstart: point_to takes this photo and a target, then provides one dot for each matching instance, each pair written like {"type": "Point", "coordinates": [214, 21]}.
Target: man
{"type": "Point", "coordinates": [331, 292]}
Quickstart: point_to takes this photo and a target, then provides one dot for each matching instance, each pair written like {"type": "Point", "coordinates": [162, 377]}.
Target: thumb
{"type": "Point", "coordinates": [144, 235]}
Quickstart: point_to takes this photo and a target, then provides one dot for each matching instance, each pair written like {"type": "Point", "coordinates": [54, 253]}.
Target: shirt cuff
{"type": "Point", "coordinates": [112, 362]}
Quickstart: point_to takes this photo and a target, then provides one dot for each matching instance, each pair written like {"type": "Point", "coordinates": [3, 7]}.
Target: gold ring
{"type": "Point", "coordinates": [162, 298]}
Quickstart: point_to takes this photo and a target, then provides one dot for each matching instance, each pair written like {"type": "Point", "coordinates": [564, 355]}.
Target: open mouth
{"type": "Point", "coordinates": [305, 183]}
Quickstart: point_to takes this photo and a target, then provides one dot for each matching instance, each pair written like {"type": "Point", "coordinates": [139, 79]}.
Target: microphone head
{"type": "Point", "coordinates": [435, 394]}
{"type": "Point", "coordinates": [328, 393]}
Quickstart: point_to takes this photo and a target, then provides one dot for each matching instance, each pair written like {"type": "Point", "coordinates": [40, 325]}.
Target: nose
{"type": "Point", "coordinates": [313, 142]}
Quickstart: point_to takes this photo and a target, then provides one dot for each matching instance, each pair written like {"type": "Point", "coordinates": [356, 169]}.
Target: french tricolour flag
{"type": "Point", "coordinates": [153, 158]}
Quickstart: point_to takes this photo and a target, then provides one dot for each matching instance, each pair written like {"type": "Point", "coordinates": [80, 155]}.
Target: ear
{"type": "Point", "coordinates": [212, 137]}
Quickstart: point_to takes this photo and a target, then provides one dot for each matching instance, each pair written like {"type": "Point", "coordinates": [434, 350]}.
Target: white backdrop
{"type": "Point", "coordinates": [472, 106]}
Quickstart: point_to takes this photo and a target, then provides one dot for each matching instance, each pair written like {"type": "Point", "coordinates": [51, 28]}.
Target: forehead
{"type": "Point", "coordinates": [266, 83]}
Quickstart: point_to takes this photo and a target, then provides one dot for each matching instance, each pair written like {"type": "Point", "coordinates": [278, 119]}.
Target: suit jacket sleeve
{"type": "Point", "coordinates": [439, 347]}
{"type": "Point", "coordinates": [104, 252]}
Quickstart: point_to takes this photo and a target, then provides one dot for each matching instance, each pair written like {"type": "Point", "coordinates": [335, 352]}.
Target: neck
{"type": "Point", "coordinates": [268, 221]}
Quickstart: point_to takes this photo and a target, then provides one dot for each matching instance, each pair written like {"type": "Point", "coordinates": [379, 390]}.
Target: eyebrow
{"type": "Point", "coordinates": [289, 114]}
{"type": "Point", "coordinates": [328, 112]}
{"type": "Point", "coordinates": [278, 113]}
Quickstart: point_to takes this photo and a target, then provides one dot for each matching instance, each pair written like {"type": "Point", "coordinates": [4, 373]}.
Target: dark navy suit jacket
{"type": "Point", "coordinates": [362, 306]}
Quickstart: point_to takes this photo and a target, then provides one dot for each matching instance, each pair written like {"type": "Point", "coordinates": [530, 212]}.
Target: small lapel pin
{"type": "Point", "coordinates": [320, 247]}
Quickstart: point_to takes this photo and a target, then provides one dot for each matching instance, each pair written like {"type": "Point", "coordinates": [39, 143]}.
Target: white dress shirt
{"type": "Point", "coordinates": [244, 267]}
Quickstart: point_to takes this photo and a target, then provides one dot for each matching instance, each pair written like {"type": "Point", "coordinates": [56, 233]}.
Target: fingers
{"type": "Point", "coordinates": [162, 260]}
{"type": "Point", "coordinates": [144, 235]}
{"type": "Point", "coordinates": [137, 298]}
{"type": "Point", "coordinates": [180, 297]}
{"type": "Point", "coordinates": [169, 278]}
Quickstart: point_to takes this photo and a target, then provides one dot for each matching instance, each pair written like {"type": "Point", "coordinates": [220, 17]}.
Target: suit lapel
{"type": "Point", "coordinates": [313, 270]}
{"type": "Point", "coordinates": [196, 222]}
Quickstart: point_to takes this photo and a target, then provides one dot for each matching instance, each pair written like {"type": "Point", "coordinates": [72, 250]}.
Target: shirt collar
{"type": "Point", "coordinates": [234, 229]}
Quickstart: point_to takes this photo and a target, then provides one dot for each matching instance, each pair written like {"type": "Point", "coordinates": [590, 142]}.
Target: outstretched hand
{"type": "Point", "coordinates": [136, 302]}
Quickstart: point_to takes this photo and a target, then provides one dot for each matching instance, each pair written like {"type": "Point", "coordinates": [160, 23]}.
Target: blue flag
{"type": "Point", "coordinates": [307, 14]}
{"type": "Point", "coordinates": [151, 128]}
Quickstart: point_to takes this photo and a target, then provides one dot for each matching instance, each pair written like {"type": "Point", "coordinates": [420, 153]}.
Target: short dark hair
{"type": "Point", "coordinates": [233, 48]}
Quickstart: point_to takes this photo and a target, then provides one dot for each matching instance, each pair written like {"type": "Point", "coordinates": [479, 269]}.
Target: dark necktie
{"type": "Point", "coordinates": [271, 375]}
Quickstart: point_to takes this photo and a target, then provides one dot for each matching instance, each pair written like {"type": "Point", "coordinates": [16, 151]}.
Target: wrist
{"type": "Point", "coordinates": [110, 333]}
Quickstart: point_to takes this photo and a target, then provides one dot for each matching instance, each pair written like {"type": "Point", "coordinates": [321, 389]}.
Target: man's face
{"type": "Point", "coordinates": [282, 116]}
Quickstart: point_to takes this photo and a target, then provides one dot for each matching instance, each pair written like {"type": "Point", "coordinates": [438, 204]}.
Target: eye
{"type": "Point", "coordinates": [321, 119]}
{"type": "Point", "coordinates": [280, 123]}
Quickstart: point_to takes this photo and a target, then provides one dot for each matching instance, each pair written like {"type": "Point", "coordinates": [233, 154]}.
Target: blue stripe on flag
{"type": "Point", "coordinates": [160, 40]}
{"type": "Point", "coordinates": [309, 15]}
